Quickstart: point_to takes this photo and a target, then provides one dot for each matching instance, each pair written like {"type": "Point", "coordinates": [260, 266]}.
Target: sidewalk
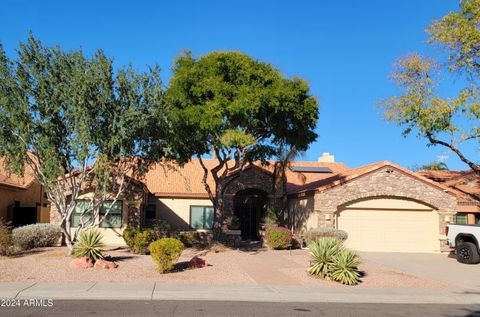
{"type": "Point", "coordinates": [162, 291]}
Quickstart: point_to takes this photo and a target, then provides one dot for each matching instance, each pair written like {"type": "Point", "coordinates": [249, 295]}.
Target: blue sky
{"type": "Point", "coordinates": [344, 49]}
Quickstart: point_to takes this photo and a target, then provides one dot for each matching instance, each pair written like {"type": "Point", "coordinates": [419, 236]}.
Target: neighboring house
{"type": "Point", "coordinates": [466, 184]}
{"type": "Point", "coordinates": [382, 206]}
{"type": "Point", "coordinates": [22, 200]}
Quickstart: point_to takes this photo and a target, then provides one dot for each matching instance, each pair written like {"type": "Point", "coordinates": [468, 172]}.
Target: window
{"type": "Point", "coordinates": [81, 214]}
{"type": "Point", "coordinates": [201, 217]}
{"type": "Point", "coordinates": [477, 219]}
{"type": "Point", "coordinates": [114, 217]}
{"type": "Point", "coordinates": [150, 212]}
{"type": "Point", "coordinates": [461, 219]}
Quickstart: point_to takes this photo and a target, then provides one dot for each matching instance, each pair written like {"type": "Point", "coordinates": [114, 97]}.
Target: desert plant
{"type": "Point", "coordinates": [320, 232]}
{"type": "Point", "coordinates": [142, 240]}
{"type": "Point", "coordinates": [89, 243]}
{"type": "Point", "coordinates": [274, 216]}
{"type": "Point", "coordinates": [278, 238]}
{"type": "Point", "coordinates": [190, 238]}
{"type": "Point", "coordinates": [6, 241]}
{"type": "Point", "coordinates": [323, 252]}
{"type": "Point", "coordinates": [344, 268]}
{"type": "Point", "coordinates": [163, 229]}
{"type": "Point", "coordinates": [36, 235]}
{"type": "Point", "coordinates": [129, 236]}
{"type": "Point", "coordinates": [233, 222]}
{"type": "Point", "coordinates": [165, 252]}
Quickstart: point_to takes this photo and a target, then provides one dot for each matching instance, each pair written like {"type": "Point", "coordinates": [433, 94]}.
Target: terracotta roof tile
{"type": "Point", "coordinates": [187, 180]}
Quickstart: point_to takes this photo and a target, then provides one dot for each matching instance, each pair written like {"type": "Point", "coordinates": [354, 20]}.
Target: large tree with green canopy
{"type": "Point", "coordinates": [240, 110]}
{"type": "Point", "coordinates": [449, 122]}
{"type": "Point", "coordinates": [77, 123]}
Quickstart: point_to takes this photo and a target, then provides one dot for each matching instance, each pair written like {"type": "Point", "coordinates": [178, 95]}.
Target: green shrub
{"type": "Point", "coordinates": [129, 236]}
{"type": "Point", "coordinates": [332, 261]}
{"type": "Point", "coordinates": [89, 243]}
{"type": "Point", "coordinates": [165, 252]}
{"type": "Point", "coordinates": [323, 252]}
{"type": "Point", "coordinates": [321, 232]}
{"type": "Point", "coordinates": [142, 240]}
{"type": "Point", "coordinates": [278, 238]}
{"type": "Point", "coordinates": [344, 268]}
{"type": "Point", "coordinates": [6, 241]}
{"type": "Point", "coordinates": [274, 216]}
{"type": "Point", "coordinates": [36, 235]}
{"type": "Point", "coordinates": [190, 238]}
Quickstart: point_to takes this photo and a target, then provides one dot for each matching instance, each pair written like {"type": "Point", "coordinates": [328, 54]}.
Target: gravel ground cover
{"type": "Point", "coordinates": [229, 267]}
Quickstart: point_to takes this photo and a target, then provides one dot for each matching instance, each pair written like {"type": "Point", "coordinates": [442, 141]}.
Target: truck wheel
{"type": "Point", "coordinates": [467, 253]}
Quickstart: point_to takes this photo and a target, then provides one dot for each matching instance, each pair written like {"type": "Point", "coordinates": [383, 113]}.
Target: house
{"type": "Point", "coordinates": [382, 206]}
{"type": "Point", "coordinates": [467, 186]}
{"type": "Point", "coordinates": [22, 200]}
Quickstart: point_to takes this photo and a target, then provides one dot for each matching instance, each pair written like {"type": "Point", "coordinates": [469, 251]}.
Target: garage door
{"type": "Point", "coordinates": [390, 225]}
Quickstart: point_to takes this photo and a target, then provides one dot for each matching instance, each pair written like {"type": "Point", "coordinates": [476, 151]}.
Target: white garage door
{"type": "Point", "coordinates": [390, 225]}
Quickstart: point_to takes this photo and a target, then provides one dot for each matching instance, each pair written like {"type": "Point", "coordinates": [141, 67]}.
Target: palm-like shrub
{"type": "Point", "coordinates": [344, 268]}
{"type": "Point", "coordinates": [323, 252]}
{"type": "Point", "coordinates": [90, 244]}
{"type": "Point", "coordinates": [165, 252]}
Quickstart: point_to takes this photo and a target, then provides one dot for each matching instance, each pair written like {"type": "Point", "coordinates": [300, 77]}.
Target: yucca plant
{"type": "Point", "coordinates": [323, 252]}
{"type": "Point", "coordinates": [89, 243]}
{"type": "Point", "coordinates": [344, 268]}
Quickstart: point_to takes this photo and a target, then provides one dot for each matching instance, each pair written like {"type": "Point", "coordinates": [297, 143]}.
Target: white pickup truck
{"type": "Point", "coordinates": [465, 239]}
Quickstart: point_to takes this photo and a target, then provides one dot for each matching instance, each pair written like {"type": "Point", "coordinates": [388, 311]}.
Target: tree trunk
{"type": "Point", "coordinates": [65, 228]}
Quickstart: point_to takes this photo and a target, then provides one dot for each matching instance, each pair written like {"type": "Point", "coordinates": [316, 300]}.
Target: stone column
{"type": "Point", "coordinates": [326, 218]}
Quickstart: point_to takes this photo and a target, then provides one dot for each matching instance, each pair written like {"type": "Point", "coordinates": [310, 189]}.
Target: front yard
{"type": "Point", "coordinates": [230, 267]}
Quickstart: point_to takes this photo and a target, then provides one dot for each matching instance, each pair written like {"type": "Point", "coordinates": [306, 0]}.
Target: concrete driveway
{"type": "Point", "coordinates": [438, 267]}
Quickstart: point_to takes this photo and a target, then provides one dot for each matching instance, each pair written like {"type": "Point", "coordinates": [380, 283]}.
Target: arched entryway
{"type": "Point", "coordinates": [250, 206]}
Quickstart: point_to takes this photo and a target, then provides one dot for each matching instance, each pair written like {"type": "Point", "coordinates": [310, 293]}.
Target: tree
{"type": "Point", "coordinates": [77, 125]}
{"type": "Point", "coordinates": [239, 109]}
{"type": "Point", "coordinates": [449, 122]}
{"type": "Point", "coordinates": [433, 166]}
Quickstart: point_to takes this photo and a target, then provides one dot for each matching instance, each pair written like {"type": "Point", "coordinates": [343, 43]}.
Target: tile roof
{"type": "Point", "coordinates": [466, 182]}
{"type": "Point", "coordinates": [174, 180]}
{"type": "Point", "coordinates": [351, 174]}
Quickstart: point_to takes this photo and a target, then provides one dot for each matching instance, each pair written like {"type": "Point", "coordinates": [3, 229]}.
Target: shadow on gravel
{"type": "Point", "coordinates": [470, 313]}
{"type": "Point", "coordinates": [28, 252]}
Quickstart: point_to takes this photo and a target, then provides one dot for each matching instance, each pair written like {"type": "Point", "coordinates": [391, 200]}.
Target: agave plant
{"type": "Point", "coordinates": [344, 268]}
{"type": "Point", "coordinates": [323, 252]}
{"type": "Point", "coordinates": [89, 243]}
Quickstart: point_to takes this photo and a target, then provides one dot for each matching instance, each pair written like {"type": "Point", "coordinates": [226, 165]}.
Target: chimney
{"type": "Point", "coordinates": [326, 158]}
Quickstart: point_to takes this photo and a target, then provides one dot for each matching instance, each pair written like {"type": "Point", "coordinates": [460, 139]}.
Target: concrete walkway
{"type": "Point", "coordinates": [273, 293]}
{"type": "Point", "coordinates": [439, 267]}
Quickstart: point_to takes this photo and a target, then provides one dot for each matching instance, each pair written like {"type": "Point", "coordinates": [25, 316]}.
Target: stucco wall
{"type": "Point", "coordinates": [302, 216]}
{"type": "Point", "coordinates": [27, 197]}
{"type": "Point", "coordinates": [176, 210]}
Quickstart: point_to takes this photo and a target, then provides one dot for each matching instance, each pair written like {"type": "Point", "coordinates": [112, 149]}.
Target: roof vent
{"type": "Point", "coordinates": [326, 158]}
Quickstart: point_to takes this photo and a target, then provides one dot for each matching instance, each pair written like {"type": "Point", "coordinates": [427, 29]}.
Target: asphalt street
{"type": "Point", "coordinates": [222, 308]}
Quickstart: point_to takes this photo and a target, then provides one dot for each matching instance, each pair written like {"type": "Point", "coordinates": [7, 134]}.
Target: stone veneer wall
{"type": "Point", "coordinates": [250, 178]}
{"type": "Point", "coordinates": [385, 182]}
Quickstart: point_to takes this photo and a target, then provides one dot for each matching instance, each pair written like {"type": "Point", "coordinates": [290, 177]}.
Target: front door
{"type": "Point", "coordinates": [250, 207]}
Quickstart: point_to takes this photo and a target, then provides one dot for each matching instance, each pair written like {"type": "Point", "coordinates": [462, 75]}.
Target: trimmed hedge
{"type": "Point", "coordinates": [278, 238]}
{"type": "Point", "coordinates": [36, 235]}
{"type": "Point", "coordinates": [321, 232]}
{"type": "Point", "coordinates": [165, 252]}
